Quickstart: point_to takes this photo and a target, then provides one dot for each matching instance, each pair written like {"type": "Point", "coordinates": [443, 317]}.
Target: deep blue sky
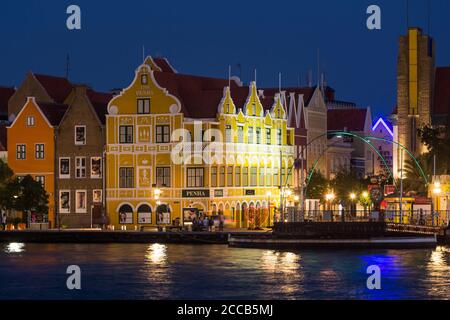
{"type": "Point", "coordinates": [204, 37]}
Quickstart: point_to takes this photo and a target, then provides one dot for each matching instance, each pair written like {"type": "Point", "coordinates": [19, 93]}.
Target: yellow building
{"type": "Point", "coordinates": [179, 146]}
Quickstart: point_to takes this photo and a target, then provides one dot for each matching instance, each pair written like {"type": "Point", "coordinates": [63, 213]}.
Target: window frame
{"type": "Point", "coordinates": [80, 143]}
{"type": "Point", "coordinates": [33, 122]}
{"type": "Point", "coordinates": [64, 176]}
{"type": "Point", "coordinates": [199, 180]}
{"type": "Point", "coordinates": [100, 176]}
{"type": "Point", "coordinates": [21, 151]}
{"type": "Point", "coordinates": [124, 137]}
{"type": "Point", "coordinates": [164, 177]}
{"type": "Point", "coordinates": [80, 210]}
{"type": "Point", "coordinates": [79, 168]}
{"type": "Point", "coordinates": [162, 137]}
{"type": "Point", "coordinates": [39, 154]}
{"type": "Point", "coordinates": [145, 107]}
{"type": "Point", "coordinates": [128, 178]}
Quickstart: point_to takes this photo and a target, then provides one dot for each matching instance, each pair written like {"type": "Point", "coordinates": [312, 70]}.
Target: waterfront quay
{"type": "Point", "coordinates": [312, 231]}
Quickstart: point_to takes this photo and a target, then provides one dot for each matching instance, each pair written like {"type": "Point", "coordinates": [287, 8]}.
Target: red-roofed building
{"type": "Point", "coordinates": [347, 117]}
{"type": "Point", "coordinates": [44, 88]}
{"type": "Point", "coordinates": [5, 94]}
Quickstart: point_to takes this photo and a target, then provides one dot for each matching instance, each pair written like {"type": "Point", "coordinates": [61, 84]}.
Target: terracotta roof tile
{"type": "Point", "coordinates": [57, 87]}
{"type": "Point", "coordinates": [99, 101]}
{"type": "Point", "coordinates": [350, 119]}
{"type": "Point", "coordinates": [54, 112]}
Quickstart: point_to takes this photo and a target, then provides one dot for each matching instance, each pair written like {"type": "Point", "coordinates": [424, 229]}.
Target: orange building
{"type": "Point", "coordinates": [31, 142]}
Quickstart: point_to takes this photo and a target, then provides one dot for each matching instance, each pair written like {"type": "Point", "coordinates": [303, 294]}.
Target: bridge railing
{"type": "Point", "coordinates": [406, 217]}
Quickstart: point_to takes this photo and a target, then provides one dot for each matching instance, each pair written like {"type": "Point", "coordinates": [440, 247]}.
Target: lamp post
{"type": "Point", "coordinates": [329, 197]}
{"type": "Point", "coordinates": [436, 191]}
{"type": "Point", "coordinates": [269, 194]}
{"type": "Point", "coordinates": [352, 203]}
{"type": "Point", "coordinates": [365, 196]}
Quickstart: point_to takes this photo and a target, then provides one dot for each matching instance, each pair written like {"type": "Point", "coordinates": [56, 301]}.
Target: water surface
{"type": "Point", "coordinates": [155, 271]}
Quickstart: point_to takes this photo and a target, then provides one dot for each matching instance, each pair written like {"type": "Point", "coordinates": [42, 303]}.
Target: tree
{"type": "Point", "coordinates": [32, 197]}
{"type": "Point", "coordinates": [5, 188]}
{"type": "Point", "coordinates": [414, 182]}
{"type": "Point", "coordinates": [318, 186]}
{"type": "Point", "coordinates": [436, 138]}
{"type": "Point", "coordinates": [347, 182]}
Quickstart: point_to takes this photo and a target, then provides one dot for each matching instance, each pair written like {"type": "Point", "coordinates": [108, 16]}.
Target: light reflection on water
{"type": "Point", "coordinates": [157, 271]}
{"type": "Point", "coordinates": [15, 247]}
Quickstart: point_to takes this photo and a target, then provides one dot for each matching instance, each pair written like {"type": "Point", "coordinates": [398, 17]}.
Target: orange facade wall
{"type": "Point", "coordinates": [21, 133]}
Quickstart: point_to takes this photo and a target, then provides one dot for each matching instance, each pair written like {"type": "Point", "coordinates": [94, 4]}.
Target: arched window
{"type": "Point", "coordinates": [144, 214]}
{"type": "Point", "coordinates": [126, 214]}
{"type": "Point", "coordinates": [163, 214]}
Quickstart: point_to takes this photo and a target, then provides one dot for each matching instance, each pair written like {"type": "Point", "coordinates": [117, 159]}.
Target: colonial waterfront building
{"type": "Point", "coordinates": [179, 145]}
{"type": "Point", "coordinates": [57, 135]}
{"type": "Point", "coordinates": [31, 145]}
{"type": "Point", "coordinates": [80, 143]}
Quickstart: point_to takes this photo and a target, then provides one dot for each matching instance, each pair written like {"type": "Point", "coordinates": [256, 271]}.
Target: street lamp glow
{"type": "Point", "coordinates": [288, 193]}
{"type": "Point", "coordinates": [296, 198]}
{"type": "Point", "coordinates": [269, 193]}
{"type": "Point", "coordinates": [329, 196]}
{"type": "Point", "coordinates": [365, 194]}
{"type": "Point", "coordinates": [352, 196]}
{"type": "Point", "coordinates": [437, 188]}
{"type": "Point", "coordinates": [157, 192]}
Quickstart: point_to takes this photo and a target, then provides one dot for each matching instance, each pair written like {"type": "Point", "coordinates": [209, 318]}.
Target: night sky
{"type": "Point", "coordinates": [204, 37]}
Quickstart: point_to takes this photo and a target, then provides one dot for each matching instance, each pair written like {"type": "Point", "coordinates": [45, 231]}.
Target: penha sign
{"type": "Point", "coordinates": [201, 193]}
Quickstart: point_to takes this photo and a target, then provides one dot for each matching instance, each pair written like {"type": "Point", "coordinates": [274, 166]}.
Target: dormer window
{"type": "Point", "coordinates": [143, 106]}
{"type": "Point", "coordinates": [31, 121]}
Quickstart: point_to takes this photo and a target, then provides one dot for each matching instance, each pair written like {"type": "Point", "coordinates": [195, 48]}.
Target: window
{"type": "Point", "coordinates": [237, 176]}
{"type": "Point", "coordinates": [213, 177]}
{"type": "Point", "coordinates": [279, 134]}
{"type": "Point", "coordinates": [96, 168]}
{"type": "Point", "coordinates": [268, 177]}
{"type": "Point", "coordinates": [163, 176]}
{"type": "Point", "coordinates": [222, 177]}
{"type": "Point", "coordinates": [41, 180]}
{"type": "Point", "coordinates": [230, 176]}
{"type": "Point", "coordinates": [144, 79]}
{"type": "Point", "coordinates": [268, 136]}
{"type": "Point", "coordinates": [126, 178]}
{"type": "Point", "coordinates": [258, 135]}
{"type": "Point", "coordinates": [276, 179]}
{"type": "Point", "coordinates": [31, 121]}
{"type": "Point", "coordinates": [195, 177]}
{"type": "Point", "coordinates": [80, 201]}
{"type": "Point", "coordinates": [283, 176]}
{"type": "Point", "coordinates": [39, 151]}
{"type": "Point", "coordinates": [245, 177]}
{"type": "Point", "coordinates": [64, 201]}
{"type": "Point", "coordinates": [64, 168]}
{"type": "Point", "coordinates": [97, 195]}
{"type": "Point", "coordinates": [289, 134]}
{"type": "Point", "coordinates": [261, 177]}
{"type": "Point", "coordinates": [253, 173]}
{"type": "Point", "coordinates": [250, 135]}
{"type": "Point", "coordinates": [126, 134]}
{"type": "Point", "coordinates": [80, 167]}
{"type": "Point", "coordinates": [80, 135]}
{"type": "Point", "coordinates": [240, 134]}
{"type": "Point", "coordinates": [163, 134]}
{"type": "Point", "coordinates": [228, 133]}
{"type": "Point", "coordinates": [143, 106]}
{"type": "Point", "coordinates": [21, 152]}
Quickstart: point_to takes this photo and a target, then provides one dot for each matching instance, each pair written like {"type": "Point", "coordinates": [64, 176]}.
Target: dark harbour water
{"type": "Point", "coordinates": [154, 271]}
